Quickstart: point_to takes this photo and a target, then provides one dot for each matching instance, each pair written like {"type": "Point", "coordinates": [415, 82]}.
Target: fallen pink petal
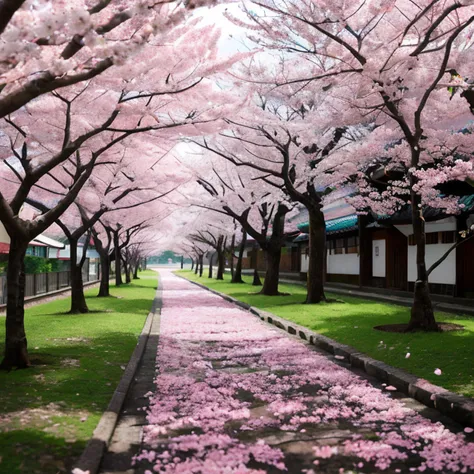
{"type": "Point", "coordinates": [235, 395]}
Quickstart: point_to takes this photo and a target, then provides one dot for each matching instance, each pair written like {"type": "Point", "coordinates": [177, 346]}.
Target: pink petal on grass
{"type": "Point", "coordinates": [408, 355]}
{"type": "Point", "coordinates": [468, 430]}
{"type": "Point", "coordinates": [391, 388]}
{"type": "Point", "coordinates": [438, 372]}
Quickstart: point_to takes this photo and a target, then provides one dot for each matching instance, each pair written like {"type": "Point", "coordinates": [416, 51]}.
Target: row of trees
{"type": "Point", "coordinates": [368, 97]}
{"type": "Point", "coordinates": [92, 96]}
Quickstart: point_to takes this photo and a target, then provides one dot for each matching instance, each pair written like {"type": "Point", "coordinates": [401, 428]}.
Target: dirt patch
{"type": "Point", "coordinates": [70, 363]}
{"type": "Point", "coordinates": [81, 340]}
{"type": "Point", "coordinates": [443, 327]}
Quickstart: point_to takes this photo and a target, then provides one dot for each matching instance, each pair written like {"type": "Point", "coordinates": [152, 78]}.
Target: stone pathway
{"type": "Point", "coordinates": [235, 395]}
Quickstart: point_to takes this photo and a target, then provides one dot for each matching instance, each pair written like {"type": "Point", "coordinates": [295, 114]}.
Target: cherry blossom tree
{"type": "Point", "coordinates": [126, 184]}
{"type": "Point", "coordinates": [399, 66]}
{"type": "Point", "coordinates": [51, 45]}
{"type": "Point", "coordinates": [214, 231]}
{"type": "Point", "coordinates": [259, 208]}
{"type": "Point", "coordinates": [62, 138]}
{"type": "Point", "coordinates": [290, 149]}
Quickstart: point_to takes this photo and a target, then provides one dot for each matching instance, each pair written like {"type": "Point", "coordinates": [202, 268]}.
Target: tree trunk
{"type": "Point", "coordinates": [16, 346]}
{"type": "Point", "coordinates": [272, 275]}
{"type": "Point", "coordinates": [104, 289]}
{"type": "Point", "coordinates": [118, 261]}
{"type": "Point", "coordinates": [135, 271]}
{"type": "Point", "coordinates": [126, 264]}
{"type": "Point", "coordinates": [232, 250]}
{"type": "Point", "coordinates": [196, 270]}
{"type": "Point", "coordinates": [256, 278]}
{"type": "Point", "coordinates": [237, 277]}
{"type": "Point", "coordinates": [422, 314]}
{"type": "Point", "coordinates": [182, 262]}
{"type": "Point", "coordinates": [317, 256]}
{"type": "Point", "coordinates": [201, 265]}
{"type": "Point", "coordinates": [220, 259]}
{"type": "Point", "coordinates": [210, 265]}
{"type": "Point", "coordinates": [192, 264]}
{"type": "Point", "coordinates": [128, 274]}
{"type": "Point", "coordinates": [78, 299]}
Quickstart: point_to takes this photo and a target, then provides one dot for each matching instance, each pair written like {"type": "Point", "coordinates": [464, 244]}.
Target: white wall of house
{"type": "Point", "coordinates": [304, 260]}
{"type": "Point", "coordinates": [343, 264]}
{"type": "Point", "coordinates": [4, 237]}
{"type": "Point", "coordinates": [379, 260]}
{"type": "Point", "coordinates": [437, 226]}
{"type": "Point", "coordinates": [445, 273]}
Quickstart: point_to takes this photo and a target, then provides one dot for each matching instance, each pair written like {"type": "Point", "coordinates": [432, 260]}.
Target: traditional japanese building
{"type": "Point", "coordinates": [380, 252]}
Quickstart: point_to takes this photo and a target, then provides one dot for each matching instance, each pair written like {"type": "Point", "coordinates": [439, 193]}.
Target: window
{"type": "Point", "coordinates": [448, 237]}
{"type": "Point", "coordinates": [431, 238]}
{"type": "Point", "coordinates": [340, 246]}
{"type": "Point", "coordinates": [353, 244]}
{"type": "Point", "coordinates": [331, 247]}
{"type": "Point", "coordinates": [343, 246]}
{"type": "Point", "coordinates": [37, 251]}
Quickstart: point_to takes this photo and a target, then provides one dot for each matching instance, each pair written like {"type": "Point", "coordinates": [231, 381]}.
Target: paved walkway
{"type": "Point", "coordinates": [235, 395]}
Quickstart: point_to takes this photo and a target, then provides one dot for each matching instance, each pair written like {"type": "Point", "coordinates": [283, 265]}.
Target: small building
{"type": "Point", "coordinates": [44, 247]}
{"type": "Point", "coordinates": [41, 246]}
{"type": "Point", "coordinates": [92, 264]}
{"type": "Point", "coordinates": [380, 252]}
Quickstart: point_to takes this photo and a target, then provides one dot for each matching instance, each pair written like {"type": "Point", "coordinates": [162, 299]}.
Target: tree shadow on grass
{"type": "Point", "coordinates": [34, 451]}
{"type": "Point", "coordinates": [136, 285]}
{"type": "Point", "coordinates": [139, 306]}
{"type": "Point", "coordinates": [80, 375]}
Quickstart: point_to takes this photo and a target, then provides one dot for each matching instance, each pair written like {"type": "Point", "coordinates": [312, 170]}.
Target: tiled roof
{"type": "Point", "coordinates": [333, 226]}
{"type": "Point", "coordinates": [430, 213]}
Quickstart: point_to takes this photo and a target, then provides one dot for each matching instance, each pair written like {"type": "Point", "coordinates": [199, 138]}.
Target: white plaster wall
{"type": "Point", "coordinates": [343, 264]}
{"type": "Point", "coordinates": [304, 261]}
{"type": "Point", "coordinates": [437, 226]}
{"type": "Point", "coordinates": [4, 238]}
{"type": "Point", "coordinates": [379, 261]}
{"type": "Point", "coordinates": [445, 273]}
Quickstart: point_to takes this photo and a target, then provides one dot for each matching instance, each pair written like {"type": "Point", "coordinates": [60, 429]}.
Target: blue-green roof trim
{"type": "Point", "coordinates": [341, 224]}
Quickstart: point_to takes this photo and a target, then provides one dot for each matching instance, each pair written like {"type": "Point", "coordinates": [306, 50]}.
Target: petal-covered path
{"type": "Point", "coordinates": [234, 395]}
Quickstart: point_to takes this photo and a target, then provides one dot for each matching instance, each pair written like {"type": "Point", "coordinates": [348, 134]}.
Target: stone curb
{"type": "Point", "coordinates": [95, 449]}
{"type": "Point", "coordinates": [457, 407]}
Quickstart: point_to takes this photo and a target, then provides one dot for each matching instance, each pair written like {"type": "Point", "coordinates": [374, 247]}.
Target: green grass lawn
{"type": "Point", "coordinates": [352, 321]}
{"type": "Point", "coordinates": [49, 411]}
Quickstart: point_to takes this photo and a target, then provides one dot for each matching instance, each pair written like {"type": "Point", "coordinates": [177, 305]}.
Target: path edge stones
{"type": "Point", "coordinates": [96, 447]}
{"type": "Point", "coordinates": [457, 407]}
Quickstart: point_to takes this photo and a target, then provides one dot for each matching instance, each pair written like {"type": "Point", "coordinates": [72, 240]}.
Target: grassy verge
{"type": "Point", "coordinates": [48, 412]}
{"type": "Point", "coordinates": [352, 321]}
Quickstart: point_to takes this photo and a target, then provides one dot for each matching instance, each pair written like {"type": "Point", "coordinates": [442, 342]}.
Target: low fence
{"type": "Point", "coordinates": [43, 283]}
